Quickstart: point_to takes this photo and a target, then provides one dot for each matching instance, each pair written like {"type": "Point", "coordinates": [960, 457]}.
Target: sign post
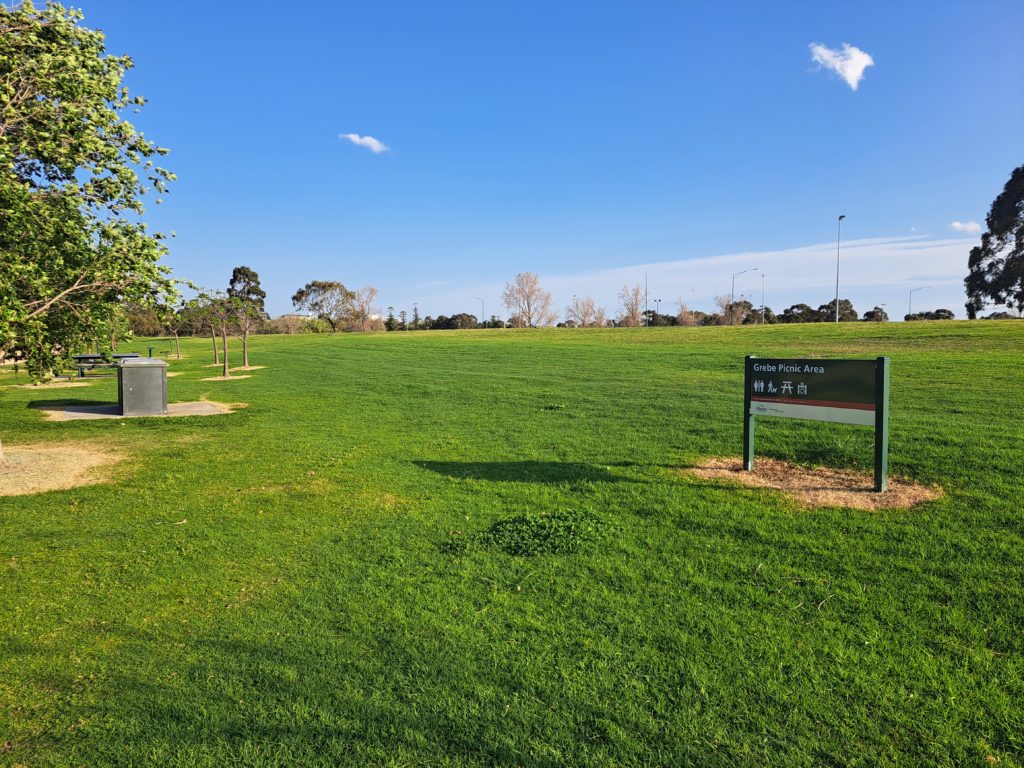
{"type": "Point", "coordinates": [839, 391]}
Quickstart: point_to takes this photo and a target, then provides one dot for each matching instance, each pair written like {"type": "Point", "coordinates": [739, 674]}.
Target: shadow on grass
{"type": "Point", "coordinates": [70, 403]}
{"type": "Point", "coordinates": [524, 471]}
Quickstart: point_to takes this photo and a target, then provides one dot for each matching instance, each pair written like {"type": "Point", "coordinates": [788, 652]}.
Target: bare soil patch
{"type": "Point", "coordinates": [249, 368]}
{"type": "Point", "coordinates": [818, 486]}
{"type": "Point", "coordinates": [44, 467]}
{"type": "Point", "coordinates": [55, 385]}
{"type": "Point", "coordinates": [202, 407]}
{"type": "Point", "coordinates": [224, 378]}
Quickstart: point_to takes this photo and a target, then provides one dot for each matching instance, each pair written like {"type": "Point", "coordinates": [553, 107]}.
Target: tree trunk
{"type": "Point", "coordinates": [213, 337]}
{"type": "Point", "coordinates": [177, 345]}
{"type": "Point", "coordinates": [245, 347]}
{"type": "Point", "coordinates": [224, 345]}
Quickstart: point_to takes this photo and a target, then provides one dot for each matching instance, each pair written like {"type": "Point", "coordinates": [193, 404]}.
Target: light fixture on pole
{"type": "Point", "coordinates": [657, 305]}
{"type": "Point", "coordinates": [732, 294]}
{"type": "Point", "coordinates": [910, 298]}
{"type": "Point", "coordinates": [483, 312]}
{"type": "Point", "coordinates": [839, 232]}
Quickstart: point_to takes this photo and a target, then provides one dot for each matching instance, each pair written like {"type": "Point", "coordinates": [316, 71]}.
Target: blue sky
{"type": "Point", "coordinates": [585, 141]}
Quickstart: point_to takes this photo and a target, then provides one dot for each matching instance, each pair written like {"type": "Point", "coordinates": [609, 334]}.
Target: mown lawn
{"type": "Point", "coordinates": [325, 577]}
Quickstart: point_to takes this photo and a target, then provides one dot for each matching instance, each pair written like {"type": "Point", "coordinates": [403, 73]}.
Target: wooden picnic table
{"type": "Point", "coordinates": [91, 362]}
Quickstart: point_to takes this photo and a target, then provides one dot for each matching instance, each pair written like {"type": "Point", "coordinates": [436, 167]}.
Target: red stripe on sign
{"type": "Point", "coordinates": [817, 403]}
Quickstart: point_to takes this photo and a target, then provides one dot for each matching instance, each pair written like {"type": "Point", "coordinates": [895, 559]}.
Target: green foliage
{"type": "Point", "coordinates": [938, 314]}
{"type": "Point", "coordinates": [799, 313]}
{"type": "Point", "coordinates": [996, 267]}
{"type": "Point", "coordinates": [328, 300]}
{"type": "Point", "coordinates": [245, 286]}
{"type": "Point", "coordinates": [546, 533]}
{"type": "Point", "coordinates": [827, 312]}
{"type": "Point", "coordinates": [73, 175]}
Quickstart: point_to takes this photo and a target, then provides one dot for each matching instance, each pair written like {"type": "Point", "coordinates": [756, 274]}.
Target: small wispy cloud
{"type": "Point", "coordinates": [967, 227]}
{"type": "Point", "coordinates": [374, 145]}
{"type": "Point", "coordinates": [849, 63]}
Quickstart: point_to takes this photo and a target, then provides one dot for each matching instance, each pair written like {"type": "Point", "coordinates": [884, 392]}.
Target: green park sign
{"type": "Point", "coordinates": [842, 391]}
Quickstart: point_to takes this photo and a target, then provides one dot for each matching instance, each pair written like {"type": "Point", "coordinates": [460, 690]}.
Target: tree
{"type": "Point", "coordinates": [876, 315]}
{"type": "Point", "coordinates": [245, 286]}
{"type": "Point", "coordinates": [733, 312]}
{"type": "Point", "coordinates": [247, 299]}
{"type": "Point", "coordinates": [938, 314]}
{"type": "Point", "coordinates": [391, 324]}
{"type": "Point", "coordinates": [528, 303]}
{"type": "Point", "coordinates": [176, 318]}
{"type": "Point", "coordinates": [684, 316]}
{"type": "Point", "coordinates": [827, 312]}
{"type": "Point", "coordinates": [996, 267]}
{"type": "Point", "coordinates": [221, 312]}
{"type": "Point", "coordinates": [799, 313]}
{"type": "Point", "coordinates": [247, 318]}
{"type": "Point", "coordinates": [73, 177]}
{"type": "Point", "coordinates": [143, 320]}
{"type": "Point", "coordinates": [584, 313]}
{"type": "Point", "coordinates": [415, 317]}
{"type": "Point", "coordinates": [362, 306]}
{"type": "Point", "coordinates": [329, 300]}
{"type": "Point", "coordinates": [632, 300]}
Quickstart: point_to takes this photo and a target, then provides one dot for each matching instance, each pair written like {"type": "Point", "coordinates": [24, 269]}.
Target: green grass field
{"type": "Point", "coordinates": [344, 591]}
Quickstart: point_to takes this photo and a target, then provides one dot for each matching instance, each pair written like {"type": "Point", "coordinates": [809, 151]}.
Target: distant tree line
{"type": "Point", "coordinates": [331, 307]}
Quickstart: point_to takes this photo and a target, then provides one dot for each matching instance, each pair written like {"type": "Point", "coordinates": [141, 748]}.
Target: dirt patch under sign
{"type": "Point", "coordinates": [819, 486]}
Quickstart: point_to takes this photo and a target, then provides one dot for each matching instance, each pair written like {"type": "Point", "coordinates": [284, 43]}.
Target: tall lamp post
{"type": "Point", "coordinates": [483, 312]}
{"type": "Point", "coordinates": [762, 298]}
{"type": "Point", "coordinates": [839, 232]}
{"type": "Point", "coordinates": [732, 294]}
{"type": "Point", "coordinates": [910, 298]}
{"type": "Point", "coordinates": [657, 311]}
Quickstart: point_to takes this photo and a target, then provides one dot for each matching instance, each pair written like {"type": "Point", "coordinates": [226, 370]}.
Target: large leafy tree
{"type": "Point", "coordinates": [73, 176]}
{"type": "Point", "coordinates": [329, 300]}
{"type": "Point", "coordinates": [996, 267]}
{"type": "Point", "coordinates": [245, 286]}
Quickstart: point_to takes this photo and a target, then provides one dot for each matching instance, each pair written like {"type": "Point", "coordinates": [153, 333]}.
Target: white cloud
{"type": "Point", "coordinates": [849, 63]}
{"type": "Point", "coordinates": [967, 227]}
{"type": "Point", "coordinates": [374, 145]}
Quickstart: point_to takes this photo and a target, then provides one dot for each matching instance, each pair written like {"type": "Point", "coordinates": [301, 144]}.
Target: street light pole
{"type": "Point", "coordinates": [732, 294]}
{"type": "Point", "coordinates": [647, 319]}
{"type": "Point", "coordinates": [483, 312]}
{"type": "Point", "coordinates": [910, 298]}
{"type": "Point", "coordinates": [762, 298]}
{"type": "Point", "coordinates": [839, 232]}
{"type": "Point", "coordinates": [657, 305]}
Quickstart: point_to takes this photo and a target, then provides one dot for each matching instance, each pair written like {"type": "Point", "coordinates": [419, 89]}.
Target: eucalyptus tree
{"type": "Point", "coordinates": [329, 300]}
{"type": "Point", "coordinates": [996, 266]}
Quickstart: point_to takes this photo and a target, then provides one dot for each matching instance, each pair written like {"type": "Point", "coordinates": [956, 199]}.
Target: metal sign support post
{"type": "Point", "coordinates": [748, 418]}
{"type": "Point", "coordinates": [881, 423]}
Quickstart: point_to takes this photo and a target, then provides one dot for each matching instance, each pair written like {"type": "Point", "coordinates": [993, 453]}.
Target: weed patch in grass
{"type": "Point", "coordinates": [564, 532]}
